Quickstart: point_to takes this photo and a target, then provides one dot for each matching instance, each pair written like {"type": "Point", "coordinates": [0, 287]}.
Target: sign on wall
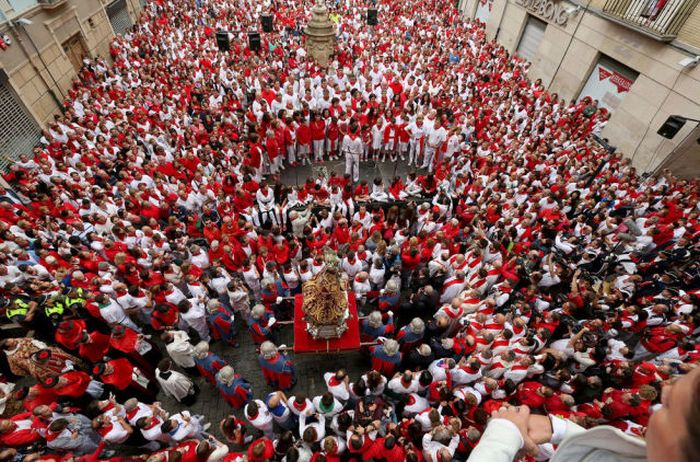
{"type": "Point", "coordinates": [609, 82]}
{"type": "Point", "coordinates": [550, 10]}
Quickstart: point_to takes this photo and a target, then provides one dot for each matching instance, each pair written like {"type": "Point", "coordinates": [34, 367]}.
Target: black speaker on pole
{"type": "Point", "coordinates": [672, 125]}
{"type": "Point", "coordinates": [222, 41]}
{"type": "Point", "coordinates": [254, 41]}
{"type": "Point", "coordinates": [372, 17]}
{"type": "Point", "coordinates": [266, 22]}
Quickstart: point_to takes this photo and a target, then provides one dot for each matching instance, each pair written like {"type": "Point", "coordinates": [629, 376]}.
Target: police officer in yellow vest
{"type": "Point", "coordinates": [72, 299]}
{"type": "Point", "coordinates": [54, 308]}
{"type": "Point", "coordinates": [20, 309]}
{"type": "Point", "coordinates": [75, 299]}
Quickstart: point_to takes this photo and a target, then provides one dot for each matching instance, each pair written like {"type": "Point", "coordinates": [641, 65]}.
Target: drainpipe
{"type": "Point", "coordinates": [500, 20]}
{"type": "Point", "coordinates": [582, 14]}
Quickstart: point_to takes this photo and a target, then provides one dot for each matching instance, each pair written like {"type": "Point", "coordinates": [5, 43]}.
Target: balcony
{"type": "Point", "coordinates": [51, 4]}
{"type": "Point", "coordinates": [659, 19]}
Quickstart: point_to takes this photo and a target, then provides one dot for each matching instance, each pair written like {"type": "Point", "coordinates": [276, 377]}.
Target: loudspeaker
{"type": "Point", "coordinates": [222, 41]}
{"type": "Point", "coordinates": [266, 22]}
{"type": "Point", "coordinates": [254, 41]}
{"type": "Point", "coordinates": [672, 125]}
{"type": "Point", "coordinates": [372, 17]}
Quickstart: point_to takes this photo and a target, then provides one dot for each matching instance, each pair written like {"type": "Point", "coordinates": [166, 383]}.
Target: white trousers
{"type": "Point", "coordinates": [428, 158]}
{"type": "Point", "coordinates": [352, 166]}
{"type": "Point", "coordinates": [318, 149]}
{"type": "Point", "coordinates": [414, 152]}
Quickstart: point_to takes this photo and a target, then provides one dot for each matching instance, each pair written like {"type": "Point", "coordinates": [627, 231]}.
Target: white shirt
{"type": "Point", "coordinates": [181, 350]}
{"type": "Point", "coordinates": [351, 268]}
{"type": "Point", "coordinates": [263, 420]}
{"type": "Point", "coordinates": [419, 404]}
{"type": "Point", "coordinates": [185, 430]}
{"type": "Point", "coordinates": [335, 409]}
{"type": "Point", "coordinates": [352, 145]}
{"type": "Point", "coordinates": [431, 448]}
{"type": "Point", "coordinates": [117, 434]}
{"type": "Point", "coordinates": [142, 410]}
{"type": "Point", "coordinates": [397, 386]}
{"type": "Point", "coordinates": [436, 136]}
{"type": "Point", "coordinates": [154, 433]}
{"type": "Point", "coordinates": [176, 385]}
{"type": "Point", "coordinates": [113, 313]}
{"type": "Point", "coordinates": [340, 390]}
{"type": "Point", "coordinates": [196, 318]}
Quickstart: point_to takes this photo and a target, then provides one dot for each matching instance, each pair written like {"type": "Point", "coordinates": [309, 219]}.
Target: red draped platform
{"type": "Point", "coordinates": [304, 343]}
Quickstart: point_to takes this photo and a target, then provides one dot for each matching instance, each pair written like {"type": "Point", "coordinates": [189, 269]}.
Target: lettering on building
{"type": "Point", "coordinates": [549, 10]}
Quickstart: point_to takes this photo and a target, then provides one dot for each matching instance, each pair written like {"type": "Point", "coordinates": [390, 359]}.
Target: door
{"type": "Point", "coordinates": [19, 132]}
{"type": "Point", "coordinates": [75, 49]}
{"type": "Point", "coordinates": [531, 38]}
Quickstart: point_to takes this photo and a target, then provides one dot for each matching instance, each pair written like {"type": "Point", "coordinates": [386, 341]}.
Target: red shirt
{"type": "Point", "coordinates": [267, 453]}
{"type": "Point", "coordinates": [304, 134]}
{"type": "Point", "coordinates": [318, 130]}
{"type": "Point", "coordinates": [121, 376]}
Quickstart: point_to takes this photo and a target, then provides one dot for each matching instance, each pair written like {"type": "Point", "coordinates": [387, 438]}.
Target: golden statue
{"type": "Point", "coordinates": [325, 303]}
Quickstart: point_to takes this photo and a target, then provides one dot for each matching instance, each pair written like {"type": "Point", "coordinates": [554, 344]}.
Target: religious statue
{"type": "Point", "coordinates": [320, 34]}
{"type": "Point", "coordinates": [326, 302]}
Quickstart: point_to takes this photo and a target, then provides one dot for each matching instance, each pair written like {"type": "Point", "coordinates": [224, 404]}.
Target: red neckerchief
{"type": "Point", "coordinates": [299, 407]}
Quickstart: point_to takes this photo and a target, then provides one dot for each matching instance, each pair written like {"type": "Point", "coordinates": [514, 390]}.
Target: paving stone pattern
{"type": "Point", "coordinates": [310, 366]}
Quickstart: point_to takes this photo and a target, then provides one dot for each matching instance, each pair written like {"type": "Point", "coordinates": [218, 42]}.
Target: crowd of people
{"type": "Point", "coordinates": [522, 284]}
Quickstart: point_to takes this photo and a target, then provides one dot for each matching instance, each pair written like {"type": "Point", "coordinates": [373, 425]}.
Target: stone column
{"type": "Point", "coordinates": [320, 35]}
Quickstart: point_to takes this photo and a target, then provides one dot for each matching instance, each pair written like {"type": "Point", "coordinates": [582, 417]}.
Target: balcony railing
{"type": "Point", "coordinates": [50, 4]}
{"type": "Point", "coordinates": [660, 19]}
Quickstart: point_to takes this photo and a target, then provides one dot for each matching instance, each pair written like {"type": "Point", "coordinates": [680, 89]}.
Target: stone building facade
{"type": "Point", "coordinates": [636, 56]}
{"type": "Point", "coordinates": [46, 42]}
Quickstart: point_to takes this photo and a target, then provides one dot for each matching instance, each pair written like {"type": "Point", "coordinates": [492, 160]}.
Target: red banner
{"type": "Point", "coordinates": [622, 83]}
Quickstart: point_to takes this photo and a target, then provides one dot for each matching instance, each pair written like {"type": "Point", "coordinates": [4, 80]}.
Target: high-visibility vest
{"type": "Point", "coordinates": [72, 301]}
{"type": "Point", "coordinates": [20, 308]}
{"type": "Point", "coordinates": [56, 308]}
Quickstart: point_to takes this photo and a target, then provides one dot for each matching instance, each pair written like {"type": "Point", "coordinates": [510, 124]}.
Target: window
{"type": "Point", "coordinates": [483, 10]}
{"type": "Point", "coordinates": [11, 8]}
{"type": "Point", "coordinates": [609, 82]}
{"type": "Point", "coordinates": [76, 51]}
{"type": "Point", "coordinates": [119, 16]}
{"type": "Point", "coordinates": [20, 132]}
{"type": "Point", "coordinates": [531, 38]}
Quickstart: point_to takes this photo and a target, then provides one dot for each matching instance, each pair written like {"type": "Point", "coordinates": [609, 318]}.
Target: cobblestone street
{"type": "Point", "coordinates": [310, 370]}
